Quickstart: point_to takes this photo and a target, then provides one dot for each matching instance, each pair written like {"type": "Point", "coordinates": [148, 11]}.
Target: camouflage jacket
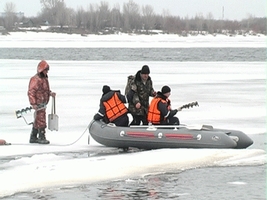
{"type": "Point", "coordinates": [142, 93]}
{"type": "Point", "coordinates": [39, 90]}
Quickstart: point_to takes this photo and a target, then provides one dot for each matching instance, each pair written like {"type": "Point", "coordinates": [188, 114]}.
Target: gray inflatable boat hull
{"type": "Point", "coordinates": [157, 137]}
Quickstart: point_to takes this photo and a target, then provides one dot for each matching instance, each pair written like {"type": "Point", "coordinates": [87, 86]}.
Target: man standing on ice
{"type": "Point", "coordinates": [39, 93]}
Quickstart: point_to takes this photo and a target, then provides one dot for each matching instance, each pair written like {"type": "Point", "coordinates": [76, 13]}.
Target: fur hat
{"type": "Point", "coordinates": [145, 70]}
{"type": "Point", "coordinates": [165, 89]}
{"type": "Point", "coordinates": [105, 89]}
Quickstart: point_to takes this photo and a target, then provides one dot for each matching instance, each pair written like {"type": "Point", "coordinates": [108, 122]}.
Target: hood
{"type": "Point", "coordinates": [42, 66]}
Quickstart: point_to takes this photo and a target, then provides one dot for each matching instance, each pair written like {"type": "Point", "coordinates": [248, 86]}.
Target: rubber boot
{"type": "Point", "coordinates": [33, 138]}
{"type": "Point", "coordinates": [42, 139]}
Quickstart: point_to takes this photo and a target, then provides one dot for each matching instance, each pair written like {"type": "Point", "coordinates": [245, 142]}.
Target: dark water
{"type": "Point", "coordinates": [136, 54]}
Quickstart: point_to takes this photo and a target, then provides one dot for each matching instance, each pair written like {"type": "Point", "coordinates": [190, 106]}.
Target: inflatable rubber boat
{"type": "Point", "coordinates": [168, 136]}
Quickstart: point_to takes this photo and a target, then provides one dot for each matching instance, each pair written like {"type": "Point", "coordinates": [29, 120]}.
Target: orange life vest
{"type": "Point", "coordinates": [153, 111]}
{"type": "Point", "coordinates": [114, 107]}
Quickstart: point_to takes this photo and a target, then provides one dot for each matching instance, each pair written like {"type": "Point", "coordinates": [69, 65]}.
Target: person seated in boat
{"type": "Point", "coordinates": [112, 108]}
{"type": "Point", "coordinates": [160, 111]}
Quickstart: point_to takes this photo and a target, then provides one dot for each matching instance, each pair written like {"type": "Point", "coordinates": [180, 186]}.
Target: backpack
{"type": "Point", "coordinates": [128, 84]}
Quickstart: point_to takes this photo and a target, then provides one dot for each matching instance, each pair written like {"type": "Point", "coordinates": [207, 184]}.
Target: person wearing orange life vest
{"type": "Point", "coordinates": [160, 111]}
{"type": "Point", "coordinates": [112, 108]}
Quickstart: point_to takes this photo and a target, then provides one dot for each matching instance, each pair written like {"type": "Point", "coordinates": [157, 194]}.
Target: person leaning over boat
{"type": "Point", "coordinates": [142, 85]}
{"type": "Point", "coordinates": [160, 111]}
{"type": "Point", "coordinates": [112, 108]}
{"type": "Point", "coordinates": [39, 93]}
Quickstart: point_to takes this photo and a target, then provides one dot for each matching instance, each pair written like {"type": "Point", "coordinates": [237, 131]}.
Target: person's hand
{"type": "Point", "coordinates": [154, 93]}
{"type": "Point", "coordinates": [179, 109]}
{"type": "Point", "coordinates": [138, 105]}
{"type": "Point", "coordinates": [53, 94]}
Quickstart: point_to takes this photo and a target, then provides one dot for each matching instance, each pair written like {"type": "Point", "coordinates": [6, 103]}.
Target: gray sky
{"type": "Point", "coordinates": [233, 9]}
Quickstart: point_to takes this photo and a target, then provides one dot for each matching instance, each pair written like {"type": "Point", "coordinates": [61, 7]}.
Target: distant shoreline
{"type": "Point", "coordinates": [33, 39]}
{"type": "Point", "coordinates": [193, 34]}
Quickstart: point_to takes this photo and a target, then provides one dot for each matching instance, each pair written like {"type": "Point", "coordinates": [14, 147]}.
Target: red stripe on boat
{"type": "Point", "coordinates": [140, 134]}
{"type": "Point", "coordinates": [179, 136]}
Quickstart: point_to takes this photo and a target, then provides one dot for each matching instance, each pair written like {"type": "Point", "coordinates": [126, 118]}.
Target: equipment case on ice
{"type": "Point", "coordinates": [53, 117]}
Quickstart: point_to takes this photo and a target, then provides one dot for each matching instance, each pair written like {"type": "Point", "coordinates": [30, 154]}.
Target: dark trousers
{"type": "Point", "coordinates": [122, 120]}
{"type": "Point", "coordinates": [137, 119]}
{"type": "Point", "coordinates": [173, 121]}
